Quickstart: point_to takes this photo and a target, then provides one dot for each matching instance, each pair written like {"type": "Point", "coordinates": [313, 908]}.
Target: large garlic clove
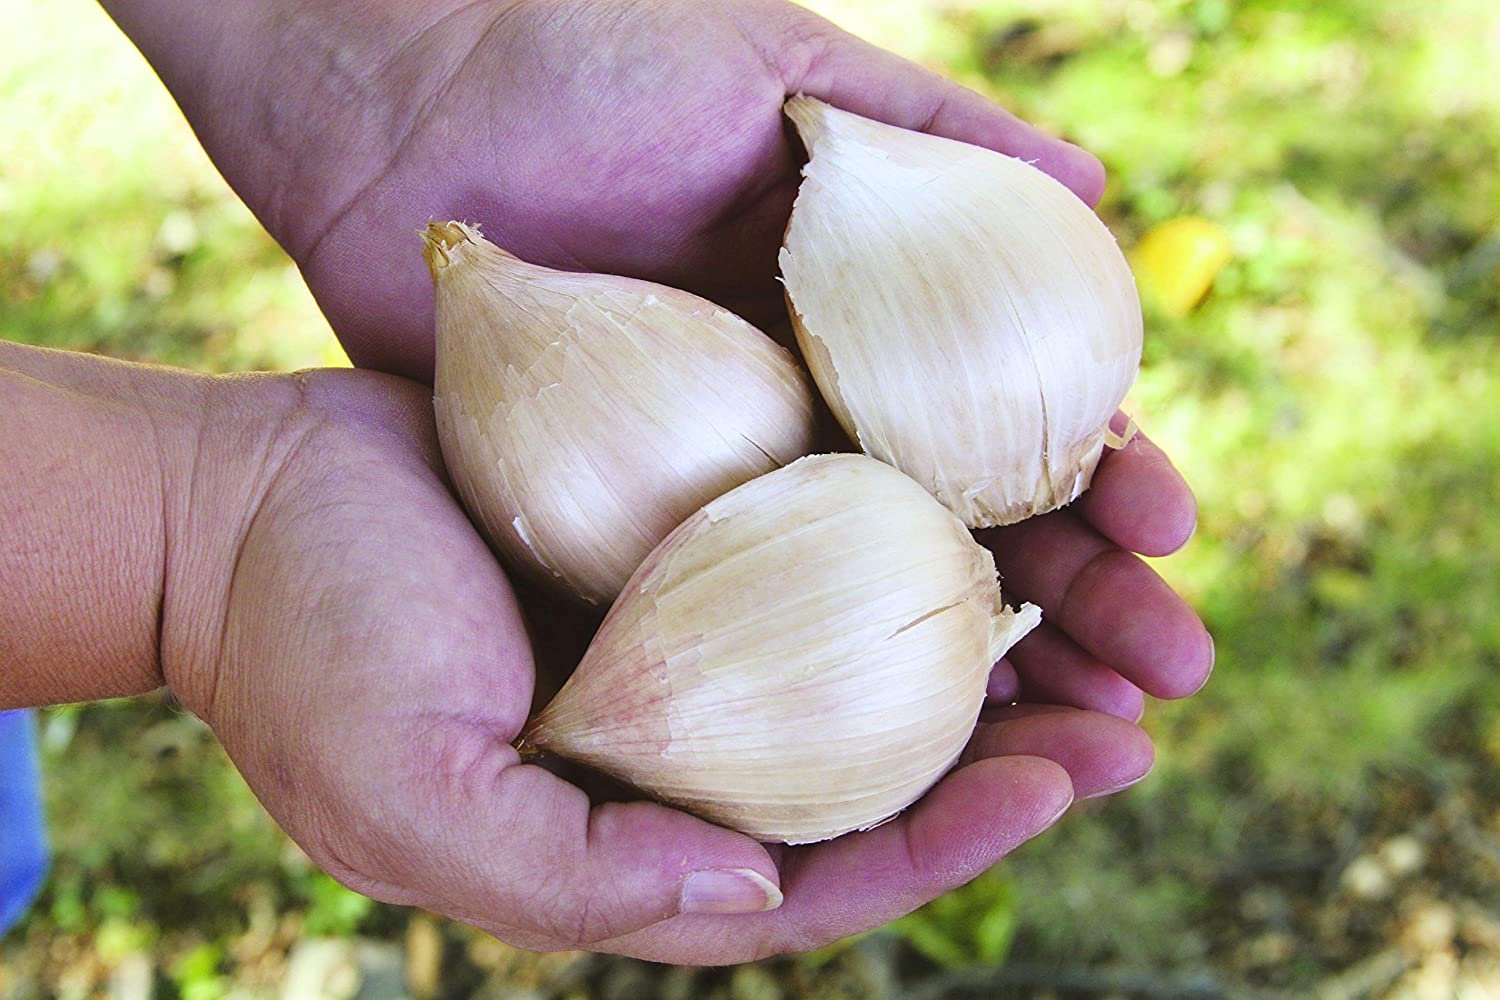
{"type": "Point", "coordinates": [967, 318]}
{"type": "Point", "coordinates": [583, 416]}
{"type": "Point", "coordinates": [803, 657]}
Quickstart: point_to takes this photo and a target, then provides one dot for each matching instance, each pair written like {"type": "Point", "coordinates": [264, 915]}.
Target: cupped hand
{"type": "Point", "coordinates": [637, 138]}
{"type": "Point", "coordinates": [372, 667]}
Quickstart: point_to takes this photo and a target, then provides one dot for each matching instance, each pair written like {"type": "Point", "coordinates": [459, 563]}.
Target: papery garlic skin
{"type": "Point", "coordinates": [583, 416]}
{"type": "Point", "coordinates": [967, 318]}
{"type": "Point", "coordinates": [803, 657]}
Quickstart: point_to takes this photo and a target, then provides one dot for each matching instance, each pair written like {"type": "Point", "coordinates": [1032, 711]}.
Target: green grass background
{"type": "Point", "coordinates": [1333, 401]}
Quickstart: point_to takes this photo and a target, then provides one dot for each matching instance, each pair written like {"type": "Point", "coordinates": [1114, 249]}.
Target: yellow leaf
{"type": "Point", "coordinates": [1176, 261]}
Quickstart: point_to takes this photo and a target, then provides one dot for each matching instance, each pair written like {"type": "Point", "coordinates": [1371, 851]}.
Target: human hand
{"type": "Point", "coordinates": [283, 552]}
{"type": "Point", "coordinates": [367, 667]}
{"type": "Point", "coordinates": [636, 138]}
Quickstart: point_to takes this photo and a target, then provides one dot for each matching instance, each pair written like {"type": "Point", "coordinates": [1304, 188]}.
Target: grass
{"type": "Point", "coordinates": [1332, 401]}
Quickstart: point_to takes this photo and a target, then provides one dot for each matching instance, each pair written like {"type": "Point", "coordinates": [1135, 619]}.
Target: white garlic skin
{"type": "Point", "coordinates": [967, 318]}
{"type": "Point", "coordinates": [803, 657]}
{"type": "Point", "coordinates": [583, 416]}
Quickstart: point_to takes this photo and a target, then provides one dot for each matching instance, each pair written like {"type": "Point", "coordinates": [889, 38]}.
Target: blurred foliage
{"type": "Point", "coordinates": [118, 235]}
{"type": "Point", "coordinates": [973, 927]}
{"type": "Point", "coordinates": [1332, 400]}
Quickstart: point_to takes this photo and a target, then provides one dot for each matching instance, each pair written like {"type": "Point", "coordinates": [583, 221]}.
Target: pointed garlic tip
{"type": "Point", "coordinates": [442, 242]}
{"type": "Point", "coordinates": [583, 416]}
{"type": "Point", "coordinates": [968, 319]}
{"type": "Point", "coordinates": [803, 657]}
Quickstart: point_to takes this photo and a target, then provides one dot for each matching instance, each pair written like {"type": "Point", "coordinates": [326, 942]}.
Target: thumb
{"type": "Point", "coordinates": [521, 853]}
{"type": "Point", "coordinates": [823, 61]}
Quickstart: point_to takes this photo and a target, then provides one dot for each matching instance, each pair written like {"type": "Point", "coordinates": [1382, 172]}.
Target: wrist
{"type": "Point", "coordinates": [113, 475]}
{"type": "Point", "coordinates": [219, 462]}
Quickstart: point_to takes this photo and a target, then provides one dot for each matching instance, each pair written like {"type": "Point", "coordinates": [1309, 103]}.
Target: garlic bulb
{"type": "Point", "coordinates": [583, 416]}
{"type": "Point", "coordinates": [803, 657]}
{"type": "Point", "coordinates": [967, 318]}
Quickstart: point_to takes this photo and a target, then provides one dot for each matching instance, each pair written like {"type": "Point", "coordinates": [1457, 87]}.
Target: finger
{"type": "Point", "coordinates": [970, 820]}
{"type": "Point", "coordinates": [830, 64]}
{"type": "Point", "coordinates": [1102, 754]}
{"type": "Point", "coordinates": [1106, 600]}
{"type": "Point", "coordinates": [1004, 685]}
{"type": "Point", "coordinates": [1051, 669]}
{"type": "Point", "coordinates": [1138, 499]}
{"type": "Point", "coordinates": [617, 867]}
{"type": "Point", "coordinates": [518, 851]}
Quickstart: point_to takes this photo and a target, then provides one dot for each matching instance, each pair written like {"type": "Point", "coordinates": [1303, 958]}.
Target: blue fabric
{"type": "Point", "coordinates": [23, 835]}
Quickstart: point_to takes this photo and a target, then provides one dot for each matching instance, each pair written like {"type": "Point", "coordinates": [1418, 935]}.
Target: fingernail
{"type": "Point", "coordinates": [729, 890]}
{"type": "Point", "coordinates": [1101, 793]}
{"type": "Point", "coordinates": [1213, 655]}
{"type": "Point", "coordinates": [1059, 814]}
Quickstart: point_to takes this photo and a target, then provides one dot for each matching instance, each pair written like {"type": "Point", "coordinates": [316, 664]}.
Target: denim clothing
{"type": "Point", "coordinates": [23, 835]}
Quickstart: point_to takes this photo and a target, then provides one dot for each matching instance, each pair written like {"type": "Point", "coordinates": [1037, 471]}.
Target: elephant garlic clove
{"type": "Point", "coordinates": [584, 416]}
{"type": "Point", "coordinates": [967, 318]}
{"type": "Point", "coordinates": [803, 657]}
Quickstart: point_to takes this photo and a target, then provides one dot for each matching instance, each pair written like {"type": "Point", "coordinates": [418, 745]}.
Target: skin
{"type": "Point", "coordinates": [284, 554]}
